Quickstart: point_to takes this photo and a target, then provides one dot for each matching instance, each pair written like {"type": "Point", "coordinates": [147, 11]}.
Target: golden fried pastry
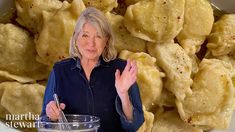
{"type": "Point", "coordinates": [148, 122]}
{"type": "Point", "coordinates": [207, 104]}
{"type": "Point", "coordinates": [3, 111]}
{"type": "Point", "coordinates": [103, 5]}
{"type": "Point", "coordinates": [233, 81]}
{"type": "Point", "coordinates": [123, 39]}
{"type": "Point", "coordinates": [177, 65]}
{"type": "Point", "coordinates": [221, 41]}
{"type": "Point", "coordinates": [18, 56]}
{"type": "Point", "coordinates": [53, 41]}
{"type": "Point", "coordinates": [29, 12]}
{"type": "Point", "coordinates": [155, 20]}
{"type": "Point", "coordinates": [195, 62]}
{"type": "Point", "coordinates": [20, 98]}
{"type": "Point", "coordinates": [211, 102]}
{"type": "Point", "coordinates": [131, 2]}
{"type": "Point", "coordinates": [148, 76]}
{"type": "Point", "coordinates": [230, 60]}
{"type": "Point", "coordinates": [198, 22]}
{"type": "Point", "coordinates": [166, 98]}
{"type": "Point", "coordinates": [170, 121]}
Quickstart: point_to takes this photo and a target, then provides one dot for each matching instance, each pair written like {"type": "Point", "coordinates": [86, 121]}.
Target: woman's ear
{"type": "Point", "coordinates": [106, 41]}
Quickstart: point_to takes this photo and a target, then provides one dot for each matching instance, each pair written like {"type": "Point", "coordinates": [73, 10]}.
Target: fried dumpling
{"type": "Point", "coordinates": [230, 60]}
{"type": "Point", "coordinates": [29, 12]}
{"type": "Point", "coordinates": [170, 121]}
{"type": "Point", "coordinates": [195, 63]}
{"type": "Point", "coordinates": [148, 121]}
{"type": "Point", "coordinates": [177, 65]}
{"type": "Point", "coordinates": [3, 111]}
{"type": "Point", "coordinates": [221, 41]}
{"type": "Point", "coordinates": [131, 2]}
{"type": "Point", "coordinates": [18, 56]}
{"type": "Point", "coordinates": [211, 103]}
{"type": "Point", "coordinates": [123, 39]}
{"type": "Point", "coordinates": [103, 5]}
{"type": "Point", "coordinates": [20, 98]}
{"type": "Point", "coordinates": [166, 98]}
{"type": "Point", "coordinates": [155, 20]}
{"type": "Point", "coordinates": [53, 42]}
{"type": "Point", "coordinates": [198, 22]}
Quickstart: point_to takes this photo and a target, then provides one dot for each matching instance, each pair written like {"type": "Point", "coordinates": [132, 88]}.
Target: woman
{"type": "Point", "coordinates": [93, 81]}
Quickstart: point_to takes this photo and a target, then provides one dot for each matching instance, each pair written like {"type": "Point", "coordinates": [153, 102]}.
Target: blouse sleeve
{"type": "Point", "coordinates": [48, 95]}
{"type": "Point", "coordinates": [138, 115]}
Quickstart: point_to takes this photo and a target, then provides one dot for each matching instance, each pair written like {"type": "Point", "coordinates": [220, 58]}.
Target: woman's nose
{"type": "Point", "coordinates": [91, 41]}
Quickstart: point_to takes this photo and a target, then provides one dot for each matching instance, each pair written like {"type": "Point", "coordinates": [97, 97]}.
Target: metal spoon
{"type": "Point", "coordinates": [62, 119]}
{"type": "Point", "coordinates": [227, 6]}
{"type": "Point", "coordinates": [7, 10]}
{"type": "Point", "coordinates": [222, 7]}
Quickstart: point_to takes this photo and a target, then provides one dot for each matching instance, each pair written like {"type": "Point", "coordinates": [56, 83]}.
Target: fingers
{"type": "Point", "coordinates": [52, 111]}
{"type": "Point", "coordinates": [62, 106]}
{"type": "Point", "coordinates": [133, 69]}
{"type": "Point", "coordinates": [128, 65]}
{"type": "Point", "coordinates": [130, 71]}
{"type": "Point", "coordinates": [124, 80]}
{"type": "Point", "coordinates": [117, 74]}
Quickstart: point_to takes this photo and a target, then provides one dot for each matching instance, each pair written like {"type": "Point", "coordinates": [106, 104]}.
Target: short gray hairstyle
{"type": "Point", "coordinates": [102, 25]}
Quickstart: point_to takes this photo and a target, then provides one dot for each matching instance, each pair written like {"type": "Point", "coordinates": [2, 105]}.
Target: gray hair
{"type": "Point", "coordinates": [102, 25]}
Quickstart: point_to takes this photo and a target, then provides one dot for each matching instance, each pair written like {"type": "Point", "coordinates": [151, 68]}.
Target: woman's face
{"type": "Point", "coordinates": [90, 43]}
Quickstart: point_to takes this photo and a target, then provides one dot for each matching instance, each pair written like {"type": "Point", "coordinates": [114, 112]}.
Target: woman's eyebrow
{"type": "Point", "coordinates": [85, 31]}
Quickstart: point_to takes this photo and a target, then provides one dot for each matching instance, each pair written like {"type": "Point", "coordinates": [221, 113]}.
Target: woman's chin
{"type": "Point", "coordinates": [91, 57]}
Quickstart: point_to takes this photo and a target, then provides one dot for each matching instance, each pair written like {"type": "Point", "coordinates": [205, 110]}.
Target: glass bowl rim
{"type": "Point", "coordinates": [97, 120]}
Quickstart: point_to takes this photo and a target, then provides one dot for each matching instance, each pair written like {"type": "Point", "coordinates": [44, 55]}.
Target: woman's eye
{"type": "Point", "coordinates": [85, 35]}
{"type": "Point", "coordinates": [98, 36]}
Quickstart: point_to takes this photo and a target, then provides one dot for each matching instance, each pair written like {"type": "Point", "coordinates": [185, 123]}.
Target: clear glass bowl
{"type": "Point", "coordinates": [77, 123]}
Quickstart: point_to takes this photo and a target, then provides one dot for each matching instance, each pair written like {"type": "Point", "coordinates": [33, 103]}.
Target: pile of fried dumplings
{"type": "Point", "coordinates": [185, 57]}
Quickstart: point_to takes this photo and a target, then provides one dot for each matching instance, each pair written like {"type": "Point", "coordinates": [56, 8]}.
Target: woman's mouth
{"type": "Point", "coordinates": [91, 50]}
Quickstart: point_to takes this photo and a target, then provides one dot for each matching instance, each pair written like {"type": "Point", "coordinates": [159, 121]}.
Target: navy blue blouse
{"type": "Point", "coordinates": [96, 97]}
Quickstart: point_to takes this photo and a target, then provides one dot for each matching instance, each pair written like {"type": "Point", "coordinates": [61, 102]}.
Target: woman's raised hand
{"type": "Point", "coordinates": [124, 80]}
